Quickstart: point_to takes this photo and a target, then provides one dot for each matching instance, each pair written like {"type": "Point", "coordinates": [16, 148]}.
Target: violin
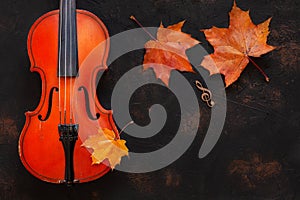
{"type": "Point", "coordinates": [59, 44]}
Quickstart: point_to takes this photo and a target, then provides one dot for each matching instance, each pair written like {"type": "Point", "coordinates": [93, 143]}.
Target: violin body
{"type": "Point", "coordinates": [40, 146]}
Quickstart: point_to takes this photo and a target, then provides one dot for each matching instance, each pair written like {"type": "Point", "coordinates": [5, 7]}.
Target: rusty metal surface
{"type": "Point", "coordinates": [258, 155]}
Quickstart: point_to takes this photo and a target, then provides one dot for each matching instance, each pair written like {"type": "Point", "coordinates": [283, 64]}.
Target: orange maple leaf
{"type": "Point", "coordinates": [234, 45]}
{"type": "Point", "coordinates": [105, 145]}
{"type": "Point", "coordinates": [168, 51]}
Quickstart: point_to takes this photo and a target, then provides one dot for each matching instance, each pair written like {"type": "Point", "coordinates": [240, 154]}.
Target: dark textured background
{"type": "Point", "coordinates": [258, 154]}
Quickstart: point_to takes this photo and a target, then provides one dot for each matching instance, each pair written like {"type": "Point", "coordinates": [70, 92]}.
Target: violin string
{"type": "Point", "coordinates": [71, 57]}
{"type": "Point", "coordinates": [59, 60]}
{"type": "Point", "coordinates": [65, 60]}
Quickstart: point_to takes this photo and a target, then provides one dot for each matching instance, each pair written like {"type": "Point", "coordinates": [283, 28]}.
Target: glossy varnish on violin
{"type": "Point", "coordinates": [69, 111]}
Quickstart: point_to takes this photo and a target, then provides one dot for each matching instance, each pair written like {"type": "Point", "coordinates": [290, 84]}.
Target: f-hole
{"type": "Point", "coordinates": [40, 117]}
{"type": "Point", "coordinates": [87, 104]}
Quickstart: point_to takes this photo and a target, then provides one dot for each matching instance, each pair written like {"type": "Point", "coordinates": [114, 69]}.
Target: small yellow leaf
{"type": "Point", "coordinates": [106, 146]}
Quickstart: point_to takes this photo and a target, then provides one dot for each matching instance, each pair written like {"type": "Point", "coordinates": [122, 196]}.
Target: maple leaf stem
{"type": "Point", "coordinates": [260, 69]}
{"type": "Point", "coordinates": [129, 123]}
{"type": "Point", "coordinates": [146, 31]}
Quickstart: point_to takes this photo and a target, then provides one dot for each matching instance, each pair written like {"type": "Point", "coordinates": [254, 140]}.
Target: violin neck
{"type": "Point", "coordinates": [68, 47]}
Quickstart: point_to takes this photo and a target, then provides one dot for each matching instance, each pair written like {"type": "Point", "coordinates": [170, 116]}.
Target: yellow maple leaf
{"type": "Point", "coordinates": [106, 146]}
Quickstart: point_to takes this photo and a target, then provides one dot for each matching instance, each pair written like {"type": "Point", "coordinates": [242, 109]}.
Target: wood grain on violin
{"type": "Point", "coordinates": [59, 43]}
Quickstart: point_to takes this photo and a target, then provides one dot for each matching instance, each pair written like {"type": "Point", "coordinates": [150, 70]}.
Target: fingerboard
{"type": "Point", "coordinates": [67, 51]}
